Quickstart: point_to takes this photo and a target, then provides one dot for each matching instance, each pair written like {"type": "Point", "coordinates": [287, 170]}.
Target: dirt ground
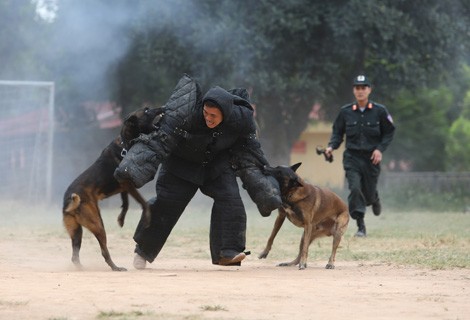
{"type": "Point", "coordinates": [38, 281]}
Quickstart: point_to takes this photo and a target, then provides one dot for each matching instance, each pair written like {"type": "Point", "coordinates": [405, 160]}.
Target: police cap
{"type": "Point", "coordinates": [361, 80]}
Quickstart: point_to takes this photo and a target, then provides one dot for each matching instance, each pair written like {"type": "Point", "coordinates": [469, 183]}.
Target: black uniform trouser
{"type": "Point", "coordinates": [362, 177]}
{"type": "Point", "coordinates": [228, 220]}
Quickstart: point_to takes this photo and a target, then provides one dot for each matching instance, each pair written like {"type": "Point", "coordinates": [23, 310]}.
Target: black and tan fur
{"type": "Point", "coordinates": [320, 212]}
{"type": "Point", "coordinates": [80, 208]}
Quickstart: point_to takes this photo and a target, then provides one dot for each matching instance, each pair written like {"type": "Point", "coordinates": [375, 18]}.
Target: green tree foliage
{"type": "Point", "coordinates": [156, 58]}
{"type": "Point", "coordinates": [458, 147]}
{"type": "Point", "coordinates": [458, 141]}
{"type": "Point", "coordinates": [422, 126]}
{"type": "Point", "coordinates": [293, 53]}
{"type": "Point", "coordinates": [289, 53]}
{"type": "Point", "coordinates": [21, 39]}
{"type": "Point", "coordinates": [399, 44]}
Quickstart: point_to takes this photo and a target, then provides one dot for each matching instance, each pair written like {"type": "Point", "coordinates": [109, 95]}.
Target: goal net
{"type": "Point", "coordinates": [26, 140]}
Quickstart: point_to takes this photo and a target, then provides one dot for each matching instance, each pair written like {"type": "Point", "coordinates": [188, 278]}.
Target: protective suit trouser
{"type": "Point", "coordinates": [362, 177]}
{"type": "Point", "coordinates": [228, 219]}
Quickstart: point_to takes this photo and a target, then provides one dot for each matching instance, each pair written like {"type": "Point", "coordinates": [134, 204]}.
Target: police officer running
{"type": "Point", "coordinates": [369, 129]}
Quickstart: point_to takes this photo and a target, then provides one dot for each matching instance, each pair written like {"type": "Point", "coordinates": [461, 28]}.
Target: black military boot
{"type": "Point", "coordinates": [361, 228]}
{"type": "Point", "coordinates": [377, 207]}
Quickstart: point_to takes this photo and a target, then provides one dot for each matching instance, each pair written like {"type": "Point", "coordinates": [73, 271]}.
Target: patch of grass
{"type": "Point", "coordinates": [122, 315]}
{"type": "Point", "coordinates": [433, 240]}
{"type": "Point", "coordinates": [213, 308]}
{"type": "Point", "coordinates": [137, 315]}
{"type": "Point", "coordinates": [426, 239]}
{"type": "Point", "coordinates": [437, 240]}
{"type": "Point", "coordinates": [13, 303]}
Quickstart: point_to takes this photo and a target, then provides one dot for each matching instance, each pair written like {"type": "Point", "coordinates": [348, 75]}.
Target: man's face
{"type": "Point", "coordinates": [362, 93]}
{"type": "Point", "coordinates": [213, 116]}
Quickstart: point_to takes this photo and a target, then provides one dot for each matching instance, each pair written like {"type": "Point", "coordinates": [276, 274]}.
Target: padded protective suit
{"type": "Point", "coordinates": [194, 157]}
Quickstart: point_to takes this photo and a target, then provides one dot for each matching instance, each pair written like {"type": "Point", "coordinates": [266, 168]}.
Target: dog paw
{"type": "Point", "coordinates": [284, 264]}
{"type": "Point", "coordinates": [119, 269]}
{"type": "Point", "coordinates": [78, 265]}
{"type": "Point", "coordinates": [120, 220]}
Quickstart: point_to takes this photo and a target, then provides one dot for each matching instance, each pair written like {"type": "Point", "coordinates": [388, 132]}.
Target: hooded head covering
{"type": "Point", "coordinates": [222, 98]}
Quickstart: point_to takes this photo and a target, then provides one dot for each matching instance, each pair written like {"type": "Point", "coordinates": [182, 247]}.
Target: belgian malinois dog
{"type": "Point", "coordinates": [319, 211]}
{"type": "Point", "coordinates": [80, 208]}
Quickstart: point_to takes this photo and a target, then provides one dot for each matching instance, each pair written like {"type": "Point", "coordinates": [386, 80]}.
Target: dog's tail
{"type": "Point", "coordinates": [72, 203]}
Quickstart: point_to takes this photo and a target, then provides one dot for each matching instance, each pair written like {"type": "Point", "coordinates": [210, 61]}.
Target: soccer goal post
{"type": "Point", "coordinates": [26, 140]}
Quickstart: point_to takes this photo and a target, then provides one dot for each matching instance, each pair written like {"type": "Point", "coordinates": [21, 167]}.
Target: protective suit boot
{"type": "Point", "coordinates": [361, 228]}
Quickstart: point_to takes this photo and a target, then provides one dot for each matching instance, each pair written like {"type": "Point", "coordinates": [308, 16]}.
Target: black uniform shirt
{"type": "Point", "coordinates": [365, 130]}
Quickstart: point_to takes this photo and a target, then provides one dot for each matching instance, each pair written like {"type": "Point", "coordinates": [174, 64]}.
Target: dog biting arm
{"type": "Point", "coordinates": [248, 161]}
{"type": "Point", "coordinates": [143, 159]}
{"type": "Point", "coordinates": [139, 166]}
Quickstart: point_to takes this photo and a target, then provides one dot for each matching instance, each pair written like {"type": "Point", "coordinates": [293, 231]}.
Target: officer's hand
{"type": "Point", "coordinates": [376, 157]}
{"type": "Point", "coordinates": [329, 152]}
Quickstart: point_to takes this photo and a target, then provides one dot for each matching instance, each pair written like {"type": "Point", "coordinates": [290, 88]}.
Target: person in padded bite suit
{"type": "Point", "coordinates": [201, 161]}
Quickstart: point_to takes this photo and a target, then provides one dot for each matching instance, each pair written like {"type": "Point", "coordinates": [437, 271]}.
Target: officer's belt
{"type": "Point", "coordinates": [360, 152]}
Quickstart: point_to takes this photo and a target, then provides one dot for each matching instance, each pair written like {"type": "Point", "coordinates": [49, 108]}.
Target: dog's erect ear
{"type": "Point", "coordinates": [296, 166]}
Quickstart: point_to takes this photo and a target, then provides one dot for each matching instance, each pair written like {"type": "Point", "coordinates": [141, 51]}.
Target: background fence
{"type": "Point", "coordinates": [432, 181]}
{"type": "Point", "coordinates": [26, 139]}
{"type": "Point", "coordinates": [439, 191]}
